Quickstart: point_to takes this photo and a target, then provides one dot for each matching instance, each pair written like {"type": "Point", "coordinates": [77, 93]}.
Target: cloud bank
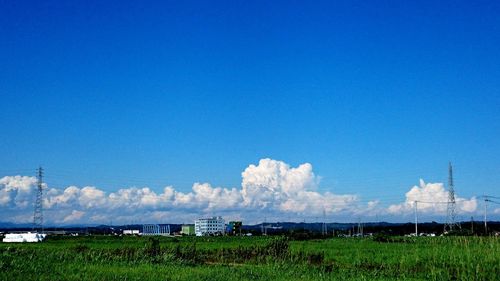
{"type": "Point", "coordinates": [271, 189]}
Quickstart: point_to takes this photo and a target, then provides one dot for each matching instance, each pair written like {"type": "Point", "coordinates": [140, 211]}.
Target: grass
{"type": "Point", "coordinates": [251, 258]}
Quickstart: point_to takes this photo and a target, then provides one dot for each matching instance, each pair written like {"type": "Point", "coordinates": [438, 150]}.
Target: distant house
{"type": "Point", "coordinates": [209, 226]}
{"type": "Point", "coordinates": [187, 229]}
{"type": "Point", "coordinates": [24, 237]}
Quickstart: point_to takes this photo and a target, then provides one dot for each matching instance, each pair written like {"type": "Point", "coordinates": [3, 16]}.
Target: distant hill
{"type": "Point", "coordinates": [7, 225]}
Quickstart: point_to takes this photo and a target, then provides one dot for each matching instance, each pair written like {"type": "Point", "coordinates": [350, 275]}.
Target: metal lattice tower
{"type": "Point", "coordinates": [451, 210]}
{"type": "Point", "coordinates": [38, 213]}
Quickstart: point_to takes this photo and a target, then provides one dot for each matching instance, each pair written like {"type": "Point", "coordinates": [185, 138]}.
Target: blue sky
{"type": "Point", "coordinates": [374, 95]}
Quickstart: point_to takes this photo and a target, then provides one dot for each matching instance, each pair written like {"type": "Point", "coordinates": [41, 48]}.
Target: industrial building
{"type": "Point", "coordinates": [24, 237]}
{"type": "Point", "coordinates": [131, 232]}
{"type": "Point", "coordinates": [187, 229]}
{"type": "Point", "coordinates": [234, 228]}
{"type": "Point", "coordinates": [156, 230]}
{"type": "Point", "coordinates": [209, 226]}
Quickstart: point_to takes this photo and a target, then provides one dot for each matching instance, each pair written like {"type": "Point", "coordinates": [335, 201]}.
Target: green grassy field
{"type": "Point", "coordinates": [252, 258]}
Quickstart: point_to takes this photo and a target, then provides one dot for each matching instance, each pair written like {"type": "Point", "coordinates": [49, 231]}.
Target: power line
{"type": "Point", "coordinates": [358, 185]}
{"type": "Point", "coordinates": [428, 202]}
{"type": "Point", "coordinates": [492, 201]}
{"type": "Point", "coordinates": [488, 196]}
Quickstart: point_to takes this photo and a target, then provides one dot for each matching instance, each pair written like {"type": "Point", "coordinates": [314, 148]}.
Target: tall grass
{"type": "Point", "coordinates": [252, 258]}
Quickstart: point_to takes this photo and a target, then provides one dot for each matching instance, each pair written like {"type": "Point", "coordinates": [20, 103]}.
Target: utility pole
{"type": "Point", "coordinates": [324, 229]}
{"type": "Point", "coordinates": [485, 210]}
{"type": "Point", "coordinates": [472, 225]}
{"type": "Point", "coordinates": [416, 220]}
{"type": "Point", "coordinates": [38, 213]}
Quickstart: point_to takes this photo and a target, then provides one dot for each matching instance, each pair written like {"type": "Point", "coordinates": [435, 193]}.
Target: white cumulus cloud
{"type": "Point", "coordinates": [74, 216]}
{"type": "Point", "coordinates": [432, 198]}
{"type": "Point", "coordinates": [16, 190]}
{"type": "Point", "coordinates": [274, 185]}
{"type": "Point", "coordinates": [270, 188]}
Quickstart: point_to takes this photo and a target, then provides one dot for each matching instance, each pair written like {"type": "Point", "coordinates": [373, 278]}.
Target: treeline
{"type": "Point", "coordinates": [314, 230]}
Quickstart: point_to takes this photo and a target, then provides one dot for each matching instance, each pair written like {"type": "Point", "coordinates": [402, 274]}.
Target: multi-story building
{"type": "Point", "coordinates": [209, 226]}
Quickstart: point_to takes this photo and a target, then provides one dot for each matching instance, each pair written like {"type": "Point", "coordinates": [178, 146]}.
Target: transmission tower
{"type": "Point", "coordinates": [360, 228]}
{"type": "Point", "coordinates": [450, 215]}
{"type": "Point", "coordinates": [38, 214]}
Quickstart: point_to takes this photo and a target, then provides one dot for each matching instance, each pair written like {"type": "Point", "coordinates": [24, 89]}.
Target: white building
{"type": "Point", "coordinates": [209, 226]}
{"type": "Point", "coordinates": [24, 237]}
{"type": "Point", "coordinates": [131, 232]}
